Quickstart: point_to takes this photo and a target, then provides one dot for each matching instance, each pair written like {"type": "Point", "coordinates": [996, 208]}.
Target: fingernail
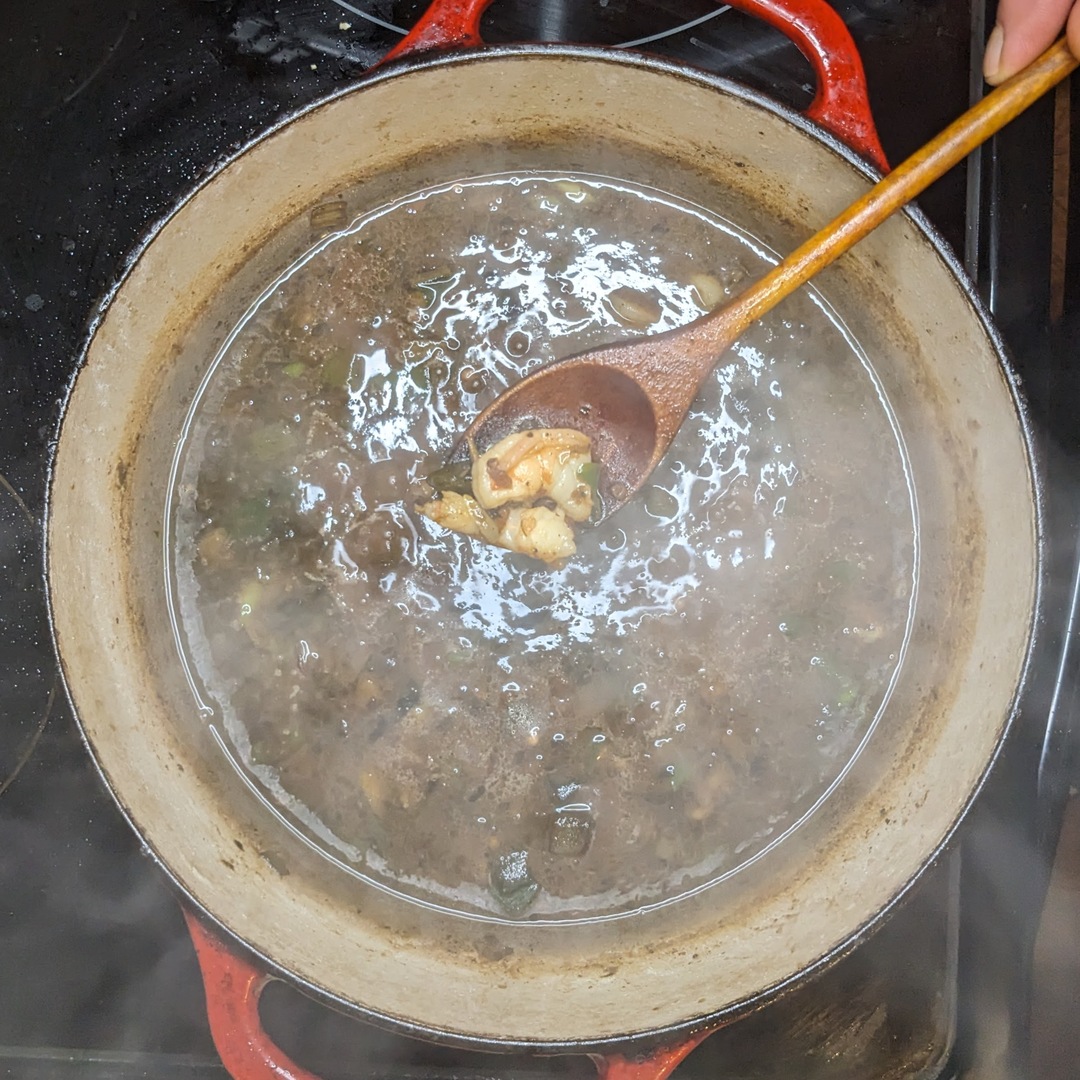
{"type": "Point", "coordinates": [992, 57]}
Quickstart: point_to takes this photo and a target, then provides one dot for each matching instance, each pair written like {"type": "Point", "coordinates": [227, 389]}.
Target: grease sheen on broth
{"type": "Point", "coordinates": [478, 731]}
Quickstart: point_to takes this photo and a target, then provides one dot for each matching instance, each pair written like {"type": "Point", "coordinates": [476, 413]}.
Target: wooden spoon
{"type": "Point", "coordinates": [631, 398]}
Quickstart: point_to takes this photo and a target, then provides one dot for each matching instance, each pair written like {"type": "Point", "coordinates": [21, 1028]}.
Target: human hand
{"type": "Point", "coordinates": [1024, 29]}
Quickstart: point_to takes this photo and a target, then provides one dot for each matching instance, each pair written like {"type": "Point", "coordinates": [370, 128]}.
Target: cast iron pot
{"type": "Point", "coordinates": [672, 973]}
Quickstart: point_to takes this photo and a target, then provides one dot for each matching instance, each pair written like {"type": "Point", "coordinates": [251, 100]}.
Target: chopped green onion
{"type": "Point", "coordinates": [456, 476]}
{"type": "Point", "coordinates": [590, 473]}
{"type": "Point", "coordinates": [336, 367]}
{"type": "Point", "coordinates": [249, 520]}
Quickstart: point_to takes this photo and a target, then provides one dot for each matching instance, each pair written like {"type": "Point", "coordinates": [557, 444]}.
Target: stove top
{"type": "Point", "coordinates": [112, 114]}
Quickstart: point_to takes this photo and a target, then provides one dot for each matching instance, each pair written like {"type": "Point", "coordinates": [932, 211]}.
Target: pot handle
{"type": "Point", "coordinates": [841, 104]}
{"type": "Point", "coordinates": [658, 1065]}
{"type": "Point", "coordinates": [446, 24]}
{"type": "Point", "coordinates": [233, 988]}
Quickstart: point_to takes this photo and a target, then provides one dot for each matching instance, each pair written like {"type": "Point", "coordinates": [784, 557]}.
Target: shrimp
{"type": "Point", "coordinates": [463, 514]}
{"type": "Point", "coordinates": [508, 480]}
{"type": "Point", "coordinates": [537, 531]}
{"type": "Point", "coordinates": [544, 462]}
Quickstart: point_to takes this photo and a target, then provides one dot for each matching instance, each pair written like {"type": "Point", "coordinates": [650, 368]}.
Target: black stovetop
{"type": "Point", "coordinates": [110, 112]}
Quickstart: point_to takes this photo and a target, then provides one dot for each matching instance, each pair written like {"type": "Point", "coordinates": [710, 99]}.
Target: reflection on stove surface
{"type": "Point", "coordinates": [27, 688]}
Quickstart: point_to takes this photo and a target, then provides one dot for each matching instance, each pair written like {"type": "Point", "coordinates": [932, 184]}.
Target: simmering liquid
{"type": "Point", "coordinates": [483, 732]}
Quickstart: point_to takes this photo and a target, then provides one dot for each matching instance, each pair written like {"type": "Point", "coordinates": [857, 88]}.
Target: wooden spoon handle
{"type": "Point", "coordinates": [898, 188]}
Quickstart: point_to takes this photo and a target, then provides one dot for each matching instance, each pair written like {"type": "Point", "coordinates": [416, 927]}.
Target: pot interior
{"type": "Point", "coordinates": [554, 972]}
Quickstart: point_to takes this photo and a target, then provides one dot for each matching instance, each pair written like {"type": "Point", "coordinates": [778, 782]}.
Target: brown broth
{"type": "Point", "coordinates": [482, 732]}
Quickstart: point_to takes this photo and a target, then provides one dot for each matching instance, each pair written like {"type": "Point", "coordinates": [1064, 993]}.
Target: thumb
{"type": "Point", "coordinates": [1024, 29]}
{"type": "Point", "coordinates": [1074, 30]}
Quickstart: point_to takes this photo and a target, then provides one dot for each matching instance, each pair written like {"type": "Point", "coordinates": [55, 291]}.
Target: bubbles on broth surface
{"type": "Point", "coordinates": [495, 736]}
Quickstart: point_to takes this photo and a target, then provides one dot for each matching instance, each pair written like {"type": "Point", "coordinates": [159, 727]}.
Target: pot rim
{"type": "Point", "coordinates": [407, 66]}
